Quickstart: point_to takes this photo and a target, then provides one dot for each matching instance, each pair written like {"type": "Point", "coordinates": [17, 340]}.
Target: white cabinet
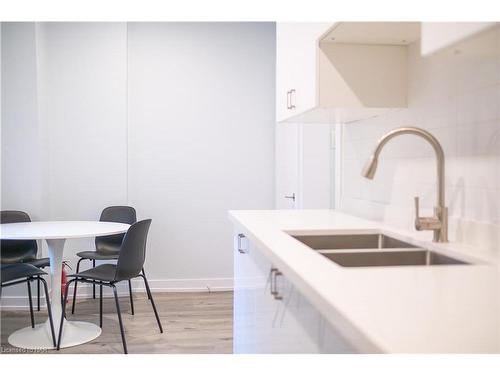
{"type": "Point", "coordinates": [341, 72]}
{"type": "Point", "coordinates": [439, 35]}
{"type": "Point", "coordinates": [271, 315]}
{"type": "Point", "coordinates": [296, 67]}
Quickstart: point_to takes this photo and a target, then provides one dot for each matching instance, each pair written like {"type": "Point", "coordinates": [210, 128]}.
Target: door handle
{"type": "Point", "coordinates": [292, 197]}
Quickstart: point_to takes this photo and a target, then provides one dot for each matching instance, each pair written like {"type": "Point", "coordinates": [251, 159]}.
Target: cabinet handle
{"type": "Point", "coordinates": [288, 99]}
{"type": "Point", "coordinates": [240, 249]}
{"type": "Point", "coordinates": [292, 106]}
{"type": "Point", "coordinates": [274, 286]}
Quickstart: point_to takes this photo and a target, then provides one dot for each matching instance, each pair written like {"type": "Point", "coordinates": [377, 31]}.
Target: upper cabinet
{"type": "Point", "coordinates": [341, 72]}
{"type": "Point", "coordinates": [347, 71]}
{"type": "Point", "coordinates": [297, 67]}
{"type": "Point", "coordinates": [439, 35]}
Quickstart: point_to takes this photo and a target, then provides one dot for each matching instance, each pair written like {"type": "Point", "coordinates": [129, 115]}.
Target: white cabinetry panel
{"type": "Point", "coordinates": [284, 322]}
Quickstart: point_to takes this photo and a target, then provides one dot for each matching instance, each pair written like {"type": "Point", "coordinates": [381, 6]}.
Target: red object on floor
{"type": "Point", "coordinates": [64, 278]}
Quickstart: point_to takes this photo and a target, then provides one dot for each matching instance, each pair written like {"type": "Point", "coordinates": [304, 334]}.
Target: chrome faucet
{"type": "Point", "coordinates": [439, 222]}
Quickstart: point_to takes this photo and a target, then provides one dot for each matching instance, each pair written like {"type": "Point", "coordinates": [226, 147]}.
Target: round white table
{"type": "Point", "coordinates": [56, 233]}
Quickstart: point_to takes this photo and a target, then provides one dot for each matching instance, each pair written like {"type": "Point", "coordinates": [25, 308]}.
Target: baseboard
{"type": "Point", "coordinates": [157, 286]}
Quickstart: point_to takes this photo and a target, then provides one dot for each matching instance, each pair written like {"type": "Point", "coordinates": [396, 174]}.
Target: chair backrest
{"type": "Point", "coordinates": [15, 251]}
{"type": "Point", "coordinates": [116, 214]}
{"type": "Point", "coordinates": [133, 251]}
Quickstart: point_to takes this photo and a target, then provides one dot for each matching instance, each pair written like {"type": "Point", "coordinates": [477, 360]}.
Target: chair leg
{"type": "Point", "coordinates": [144, 273]}
{"type": "Point", "coordinates": [93, 285]}
{"type": "Point", "coordinates": [131, 298]}
{"type": "Point", "coordinates": [38, 295]}
{"type": "Point", "coordinates": [119, 318]}
{"type": "Point", "coordinates": [31, 304]}
{"type": "Point", "coordinates": [100, 305]}
{"type": "Point", "coordinates": [49, 309]}
{"type": "Point", "coordinates": [76, 283]}
{"type": "Point", "coordinates": [152, 302]}
{"type": "Point", "coordinates": [65, 301]}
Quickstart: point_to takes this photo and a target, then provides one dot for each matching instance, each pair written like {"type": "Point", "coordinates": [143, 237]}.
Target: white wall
{"type": "Point", "coordinates": [83, 69]}
{"type": "Point", "coordinates": [175, 119]}
{"type": "Point", "coordinates": [455, 94]}
{"type": "Point", "coordinates": [201, 107]}
{"type": "Point", "coordinates": [21, 168]}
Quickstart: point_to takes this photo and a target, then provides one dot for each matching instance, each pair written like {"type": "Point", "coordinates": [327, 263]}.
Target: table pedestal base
{"type": "Point", "coordinates": [74, 333]}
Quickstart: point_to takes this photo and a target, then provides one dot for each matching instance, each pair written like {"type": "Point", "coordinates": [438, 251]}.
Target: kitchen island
{"type": "Point", "coordinates": [291, 298]}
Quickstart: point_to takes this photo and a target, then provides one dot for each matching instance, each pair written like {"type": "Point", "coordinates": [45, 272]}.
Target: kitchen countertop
{"type": "Point", "coordinates": [410, 309]}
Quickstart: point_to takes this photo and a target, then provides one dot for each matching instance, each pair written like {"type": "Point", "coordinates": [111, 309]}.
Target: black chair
{"type": "Point", "coordinates": [21, 251]}
{"type": "Point", "coordinates": [108, 247]}
{"type": "Point", "coordinates": [130, 265]}
{"type": "Point", "coordinates": [18, 273]}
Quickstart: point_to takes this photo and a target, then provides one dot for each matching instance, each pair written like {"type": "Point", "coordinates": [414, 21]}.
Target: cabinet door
{"type": "Point", "coordinates": [297, 67]}
{"type": "Point", "coordinates": [260, 322]}
{"type": "Point", "coordinates": [276, 331]}
{"type": "Point", "coordinates": [283, 323]}
{"type": "Point", "coordinates": [244, 292]}
{"type": "Point", "coordinates": [303, 327]}
{"type": "Point", "coordinates": [305, 72]}
{"type": "Point", "coordinates": [285, 55]}
{"type": "Point", "coordinates": [287, 322]}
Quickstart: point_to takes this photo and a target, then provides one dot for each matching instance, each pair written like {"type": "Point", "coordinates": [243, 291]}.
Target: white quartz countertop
{"type": "Point", "coordinates": [408, 309]}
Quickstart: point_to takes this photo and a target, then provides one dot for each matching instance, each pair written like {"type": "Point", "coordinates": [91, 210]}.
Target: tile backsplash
{"type": "Point", "coordinates": [455, 95]}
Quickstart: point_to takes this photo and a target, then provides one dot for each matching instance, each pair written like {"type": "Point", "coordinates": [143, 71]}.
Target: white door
{"type": "Point", "coordinates": [287, 166]}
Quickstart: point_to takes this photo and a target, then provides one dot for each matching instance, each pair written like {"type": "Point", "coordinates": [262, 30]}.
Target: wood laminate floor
{"type": "Point", "coordinates": [192, 323]}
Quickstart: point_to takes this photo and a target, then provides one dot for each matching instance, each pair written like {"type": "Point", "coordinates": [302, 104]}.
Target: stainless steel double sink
{"type": "Point", "coordinates": [373, 250]}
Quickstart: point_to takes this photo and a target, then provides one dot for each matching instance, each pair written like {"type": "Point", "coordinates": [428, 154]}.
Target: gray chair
{"type": "Point", "coordinates": [19, 273]}
{"type": "Point", "coordinates": [108, 247]}
{"type": "Point", "coordinates": [132, 255]}
{"type": "Point", "coordinates": [21, 251]}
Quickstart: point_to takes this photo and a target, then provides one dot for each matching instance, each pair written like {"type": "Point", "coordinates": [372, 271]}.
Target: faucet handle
{"type": "Point", "coordinates": [418, 224]}
{"type": "Point", "coordinates": [417, 208]}
{"type": "Point", "coordinates": [425, 223]}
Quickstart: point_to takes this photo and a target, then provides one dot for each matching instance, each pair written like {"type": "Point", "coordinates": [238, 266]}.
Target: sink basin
{"type": "Point", "coordinates": [373, 250]}
{"type": "Point", "coordinates": [419, 257]}
{"type": "Point", "coordinates": [352, 241]}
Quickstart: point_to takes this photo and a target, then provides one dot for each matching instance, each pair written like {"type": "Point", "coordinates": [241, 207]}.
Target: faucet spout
{"type": "Point", "coordinates": [439, 223]}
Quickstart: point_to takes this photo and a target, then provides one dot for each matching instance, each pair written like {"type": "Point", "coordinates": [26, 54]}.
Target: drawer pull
{"type": "Point", "coordinates": [292, 106]}
{"type": "Point", "coordinates": [274, 285]}
{"type": "Point", "coordinates": [240, 248]}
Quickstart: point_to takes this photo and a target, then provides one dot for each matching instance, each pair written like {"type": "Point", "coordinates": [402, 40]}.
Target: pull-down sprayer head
{"type": "Point", "coordinates": [370, 167]}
